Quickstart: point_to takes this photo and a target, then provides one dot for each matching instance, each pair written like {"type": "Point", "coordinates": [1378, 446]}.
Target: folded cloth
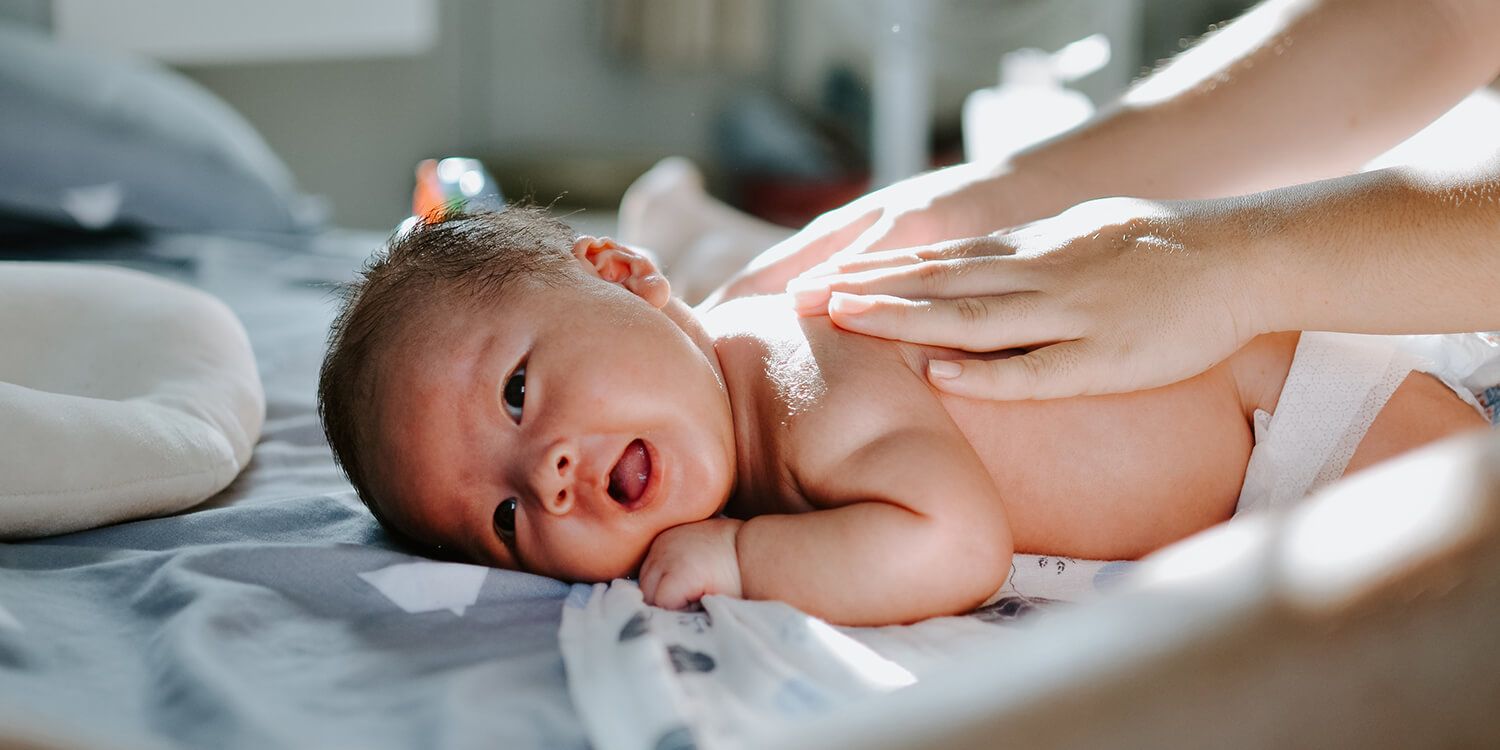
{"type": "Point", "coordinates": [122, 395]}
{"type": "Point", "coordinates": [735, 671]}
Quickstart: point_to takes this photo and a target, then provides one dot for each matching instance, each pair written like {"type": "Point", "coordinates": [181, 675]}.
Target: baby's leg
{"type": "Point", "coordinates": [701, 242]}
{"type": "Point", "coordinates": [1420, 411]}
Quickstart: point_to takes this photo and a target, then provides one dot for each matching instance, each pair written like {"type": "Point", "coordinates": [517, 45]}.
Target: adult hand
{"type": "Point", "coordinates": [958, 201]}
{"type": "Point", "coordinates": [1113, 295]}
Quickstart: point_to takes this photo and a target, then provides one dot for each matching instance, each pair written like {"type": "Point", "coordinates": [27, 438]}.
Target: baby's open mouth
{"type": "Point", "coordinates": [628, 480]}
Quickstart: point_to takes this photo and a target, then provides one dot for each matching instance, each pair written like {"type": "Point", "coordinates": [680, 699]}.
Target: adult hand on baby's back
{"type": "Point", "coordinates": [691, 561]}
{"type": "Point", "coordinates": [1113, 295]}
{"type": "Point", "coordinates": [958, 201]}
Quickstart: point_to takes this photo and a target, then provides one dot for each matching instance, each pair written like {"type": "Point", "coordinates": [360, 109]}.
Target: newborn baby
{"type": "Point", "coordinates": [502, 392]}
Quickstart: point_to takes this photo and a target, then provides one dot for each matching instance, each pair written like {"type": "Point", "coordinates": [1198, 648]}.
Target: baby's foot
{"type": "Point", "coordinates": [667, 210]}
{"type": "Point", "coordinates": [664, 209]}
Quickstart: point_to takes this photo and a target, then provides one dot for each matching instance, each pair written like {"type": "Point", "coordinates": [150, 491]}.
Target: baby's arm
{"type": "Point", "coordinates": [913, 527]}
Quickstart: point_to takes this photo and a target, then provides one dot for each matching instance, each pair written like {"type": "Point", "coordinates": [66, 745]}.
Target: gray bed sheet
{"type": "Point", "coordinates": [244, 623]}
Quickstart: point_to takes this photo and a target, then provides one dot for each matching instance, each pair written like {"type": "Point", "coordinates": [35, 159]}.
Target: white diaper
{"type": "Point", "coordinates": [1337, 385]}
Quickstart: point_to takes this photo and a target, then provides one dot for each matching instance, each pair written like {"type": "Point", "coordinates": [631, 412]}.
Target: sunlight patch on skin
{"type": "Point", "coordinates": [795, 373]}
{"type": "Point", "coordinates": [429, 586]}
{"type": "Point", "coordinates": [1228, 55]}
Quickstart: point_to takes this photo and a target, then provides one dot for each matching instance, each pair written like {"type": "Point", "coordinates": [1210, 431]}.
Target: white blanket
{"type": "Point", "coordinates": [736, 672]}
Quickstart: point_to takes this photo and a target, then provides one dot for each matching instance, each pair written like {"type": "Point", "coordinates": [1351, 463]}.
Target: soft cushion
{"type": "Point", "coordinates": [122, 395]}
{"type": "Point", "coordinates": [95, 140]}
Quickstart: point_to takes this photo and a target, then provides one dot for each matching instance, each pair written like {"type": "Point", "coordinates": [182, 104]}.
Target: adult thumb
{"type": "Point", "coordinates": [1048, 372]}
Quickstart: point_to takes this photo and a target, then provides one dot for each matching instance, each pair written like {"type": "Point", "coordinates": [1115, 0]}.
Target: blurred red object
{"type": "Point", "coordinates": [793, 203]}
{"type": "Point", "coordinates": [453, 185]}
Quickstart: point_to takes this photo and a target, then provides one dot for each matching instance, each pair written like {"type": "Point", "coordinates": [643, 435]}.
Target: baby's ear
{"type": "Point", "coordinates": [626, 266]}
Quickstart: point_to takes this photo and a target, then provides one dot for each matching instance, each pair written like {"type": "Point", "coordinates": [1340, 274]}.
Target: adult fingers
{"type": "Point", "coordinates": [845, 264]}
{"type": "Point", "coordinates": [940, 279]}
{"type": "Point", "coordinates": [827, 235]}
{"type": "Point", "coordinates": [769, 272]}
{"type": "Point", "coordinates": [972, 247]}
{"type": "Point", "coordinates": [877, 236]}
{"type": "Point", "coordinates": [976, 324]}
{"type": "Point", "coordinates": [1056, 371]}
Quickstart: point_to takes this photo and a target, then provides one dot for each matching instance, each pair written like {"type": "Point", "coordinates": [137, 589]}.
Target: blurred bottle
{"type": "Point", "coordinates": [1031, 104]}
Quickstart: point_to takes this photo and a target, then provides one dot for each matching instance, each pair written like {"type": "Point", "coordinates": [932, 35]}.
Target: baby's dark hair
{"type": "Point", "coordinates": [461, 258]}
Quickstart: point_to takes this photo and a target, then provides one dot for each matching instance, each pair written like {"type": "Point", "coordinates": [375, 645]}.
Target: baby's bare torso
{"type": "Point", "coordinates": [1105, 477]}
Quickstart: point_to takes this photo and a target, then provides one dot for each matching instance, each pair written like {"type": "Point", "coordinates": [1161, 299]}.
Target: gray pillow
{"type": "Point", "coordinates": [98, 141]}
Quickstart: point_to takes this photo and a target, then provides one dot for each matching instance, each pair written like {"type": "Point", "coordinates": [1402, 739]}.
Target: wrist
{"type": "Point", "coordinates": [1051, 179]}
{"type": "Point", "coordinates": [734, 574]}
{"type": "Point", "coordinates": [1253, 272]}
{"type": "Point", "coordinates": [996, 197]}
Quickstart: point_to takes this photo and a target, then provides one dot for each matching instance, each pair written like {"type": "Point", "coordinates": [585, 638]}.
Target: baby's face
{"type": "Point", "coordinates": [557, 431]}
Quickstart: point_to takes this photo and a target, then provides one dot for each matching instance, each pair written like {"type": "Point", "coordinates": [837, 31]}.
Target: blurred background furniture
{"type": "Point", "coordinates": [775, 99]}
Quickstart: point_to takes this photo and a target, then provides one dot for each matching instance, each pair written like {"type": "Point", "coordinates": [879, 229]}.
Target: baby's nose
{"type": "Point", "coordinates": [554, 480]}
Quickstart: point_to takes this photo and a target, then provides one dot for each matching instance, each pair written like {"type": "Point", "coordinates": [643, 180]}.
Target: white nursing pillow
{"type": "Point", "coordinates": [122, 395]}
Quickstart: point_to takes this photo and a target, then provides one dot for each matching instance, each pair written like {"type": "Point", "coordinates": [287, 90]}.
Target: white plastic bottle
{"type": "Point", "coordinates": [1031, 104]}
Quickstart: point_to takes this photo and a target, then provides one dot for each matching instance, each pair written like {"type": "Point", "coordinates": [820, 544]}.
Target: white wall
{"type": "Point", "coordinates": [508, 80]}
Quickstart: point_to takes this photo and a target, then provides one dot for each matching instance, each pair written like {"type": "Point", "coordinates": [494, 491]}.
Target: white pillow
{"type": "Point", "coordinates": [122, 395]}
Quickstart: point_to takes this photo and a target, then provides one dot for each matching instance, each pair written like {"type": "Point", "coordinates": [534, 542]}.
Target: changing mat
{"type": "Point", "coordinates": [122, 395]}
{"type": "Point", "coordinates": [738, 672]}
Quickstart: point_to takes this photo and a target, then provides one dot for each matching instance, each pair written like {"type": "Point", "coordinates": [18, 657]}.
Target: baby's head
{"type": "Point", "coordinates": [502, 392]}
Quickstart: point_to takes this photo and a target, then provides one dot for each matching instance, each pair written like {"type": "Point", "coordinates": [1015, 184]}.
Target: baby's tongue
{"type": "Point", "coordinates": [628, 479]}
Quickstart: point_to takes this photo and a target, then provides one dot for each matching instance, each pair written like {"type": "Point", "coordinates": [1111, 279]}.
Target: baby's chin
{"type": "Point", "coordinates": [602, 574]}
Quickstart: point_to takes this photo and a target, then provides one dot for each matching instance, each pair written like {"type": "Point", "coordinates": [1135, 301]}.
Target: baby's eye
{"type": "Point", "coordinates": [505, 519]}
{"type": "Point", "coordinates": [515, 393]}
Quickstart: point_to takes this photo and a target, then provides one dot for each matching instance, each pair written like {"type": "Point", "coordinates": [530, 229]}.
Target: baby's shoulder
{"type": "Point", "coordinates": [823, 394]}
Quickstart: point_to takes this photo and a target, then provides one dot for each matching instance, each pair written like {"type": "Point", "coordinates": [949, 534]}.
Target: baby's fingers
{"type": "Point", "coordinates": [976, 324]}
{"type": "Point", "coordinates": [1056, 371]}
{"type": "Point", "coordinates": [650, 579]}
{"type": "Point", "coordinates": [675, 592]}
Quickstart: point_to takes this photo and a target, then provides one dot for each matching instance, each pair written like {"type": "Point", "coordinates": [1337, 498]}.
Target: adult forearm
{"type": "Point", "coordinates": [1393, 251]}
{"type": "Point", "coordinates": [1294, 91]}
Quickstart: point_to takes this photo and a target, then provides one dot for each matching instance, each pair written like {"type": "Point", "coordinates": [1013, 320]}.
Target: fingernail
{"type": "Point", "coordinates": [801, 284]}
{"type": "Point", "coordinates": [822, 269]}
{"type": "Point", "coordinates": [849, 304]}
{"type": "Point", "coordinates": [944, 369]}
{"type": "Point", "coordinates": [808, 297]}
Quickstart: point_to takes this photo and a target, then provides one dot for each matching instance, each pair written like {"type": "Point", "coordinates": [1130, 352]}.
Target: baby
{"type": "Point", "coordinates": [501, 391]}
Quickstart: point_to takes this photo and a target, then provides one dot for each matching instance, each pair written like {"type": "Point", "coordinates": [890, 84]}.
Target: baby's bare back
{"type": "Point", "coordinates": [1113, 477]}
{"type": "Point", "coordinates": [1119, 476]}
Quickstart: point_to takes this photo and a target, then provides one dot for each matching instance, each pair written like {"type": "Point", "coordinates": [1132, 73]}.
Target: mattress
{"type": "Point", "coordinates": [277, 614]}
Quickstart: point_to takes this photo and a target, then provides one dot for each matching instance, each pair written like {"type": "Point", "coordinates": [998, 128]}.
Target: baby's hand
{"type": "Point", "coordinates": [691, 561]}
